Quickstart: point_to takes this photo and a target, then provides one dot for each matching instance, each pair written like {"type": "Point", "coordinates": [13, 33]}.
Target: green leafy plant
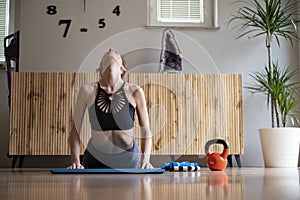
{"type": "Point", "coordinates": [278, 85]}
{"type": "Point", "coordinates": [272, 19]}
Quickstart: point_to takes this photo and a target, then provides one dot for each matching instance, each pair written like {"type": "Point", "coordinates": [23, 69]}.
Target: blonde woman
{"type": "Point", "coordinates": [111, 104]}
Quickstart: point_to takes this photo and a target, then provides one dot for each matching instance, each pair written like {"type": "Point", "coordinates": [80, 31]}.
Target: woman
{"type": "Point", "coordinates": [111, 104]}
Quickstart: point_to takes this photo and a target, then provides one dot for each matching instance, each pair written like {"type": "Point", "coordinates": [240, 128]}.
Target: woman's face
{"type": "Point", "coordinates": [111, 62]}
{"type": "Point", "coordinates": [113, 68]}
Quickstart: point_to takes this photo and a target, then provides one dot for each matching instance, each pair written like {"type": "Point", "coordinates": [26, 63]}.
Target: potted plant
{"type": "Point", "coordinates": [274, 19]}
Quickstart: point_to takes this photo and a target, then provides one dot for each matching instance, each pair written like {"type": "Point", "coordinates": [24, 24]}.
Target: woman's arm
{"type": "Point", "coordinates": [146, 141]}
{"type": "Point", "coordinates": [74, 142]}
{"type": "Point", "coordinates": [146, 144]}
{"type": "Point", "coordinates": [74, 139]}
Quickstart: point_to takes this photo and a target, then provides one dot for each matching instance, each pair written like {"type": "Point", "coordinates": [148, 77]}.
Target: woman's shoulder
{"type": "Point", "coordinates": [135, 90]}
{"type": "Point", "coordinates": [132, 88]}
{"type": "Point", "coordinates": [89, 88]}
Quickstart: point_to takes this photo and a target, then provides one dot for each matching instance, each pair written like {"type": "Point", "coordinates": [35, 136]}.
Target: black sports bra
{"type": "Point", "coordinates": [111, 111]}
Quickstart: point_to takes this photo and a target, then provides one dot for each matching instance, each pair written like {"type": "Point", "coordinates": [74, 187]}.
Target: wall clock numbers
{"type": "Point", "coordinates": [52, 10]}
{"type": "Point", "coordinates": [68, 24]}
{"type": "Point", "coordinates": [117, 11]}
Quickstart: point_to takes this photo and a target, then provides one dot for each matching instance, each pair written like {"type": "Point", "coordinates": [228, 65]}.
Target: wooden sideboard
{"type": "Point", "coordinates": [186, 110]}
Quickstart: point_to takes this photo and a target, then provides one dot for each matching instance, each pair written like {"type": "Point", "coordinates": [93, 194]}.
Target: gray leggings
{"type": "Point", "coordinates": [94, 158]}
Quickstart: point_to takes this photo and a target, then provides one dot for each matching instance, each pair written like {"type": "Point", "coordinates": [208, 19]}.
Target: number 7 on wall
{"type": "Point", "coordinates": [68, 24]}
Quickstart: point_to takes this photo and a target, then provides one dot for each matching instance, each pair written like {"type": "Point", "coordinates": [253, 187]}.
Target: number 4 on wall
{"type": "Point", "coordinates": [117, 11]}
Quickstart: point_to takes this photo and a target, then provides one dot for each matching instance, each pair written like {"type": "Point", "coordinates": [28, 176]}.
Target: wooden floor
{"type": "Point", "coordinates": [233, 183]}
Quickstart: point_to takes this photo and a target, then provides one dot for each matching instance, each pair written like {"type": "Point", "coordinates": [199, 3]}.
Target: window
{"type": "Point", "coordinates": [183, 13]}
{"type": "Point", "coordinates": [3, 26]}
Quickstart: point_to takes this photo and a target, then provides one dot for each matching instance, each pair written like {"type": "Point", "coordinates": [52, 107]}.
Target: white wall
{"type": "Point", "coordinates": [204, 51]}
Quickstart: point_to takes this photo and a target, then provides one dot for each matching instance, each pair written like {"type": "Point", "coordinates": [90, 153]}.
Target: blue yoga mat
{"type": "Point", "coordinates": [107, 171]}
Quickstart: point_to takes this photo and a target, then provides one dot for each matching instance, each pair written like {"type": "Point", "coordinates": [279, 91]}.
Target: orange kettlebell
{"type": "Point", "coordinates": [217, 161]}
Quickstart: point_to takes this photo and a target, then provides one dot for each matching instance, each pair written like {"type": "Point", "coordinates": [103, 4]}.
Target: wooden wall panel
{"type": "Point", "coordinates": [185, 111]}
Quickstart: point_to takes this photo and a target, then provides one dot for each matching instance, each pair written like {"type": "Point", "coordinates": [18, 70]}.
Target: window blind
{"type": "Point", "coordinates": [3, 26]}
{"type": "Point", "coordinates": [189, 11]}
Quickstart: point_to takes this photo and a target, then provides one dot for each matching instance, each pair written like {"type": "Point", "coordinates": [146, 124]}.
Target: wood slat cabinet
{"type": "Point", "coordinates": [185, 110]}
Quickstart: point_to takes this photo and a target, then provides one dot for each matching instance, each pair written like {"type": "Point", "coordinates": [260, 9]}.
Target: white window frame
{"type": "Point", "coordinates": [210, 15]}
{"type": "Point", "coordinates": [2, 57]}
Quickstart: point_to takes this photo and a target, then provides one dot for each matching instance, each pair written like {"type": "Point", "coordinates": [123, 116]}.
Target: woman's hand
{"type": "Point", "coordinates": [76, 165]}
{"type": "Point", "coordinates": [146, 165]}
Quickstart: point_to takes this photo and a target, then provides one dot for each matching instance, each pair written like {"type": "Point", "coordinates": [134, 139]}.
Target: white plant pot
{"type": "Point", "coordinates": [280, 146]}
